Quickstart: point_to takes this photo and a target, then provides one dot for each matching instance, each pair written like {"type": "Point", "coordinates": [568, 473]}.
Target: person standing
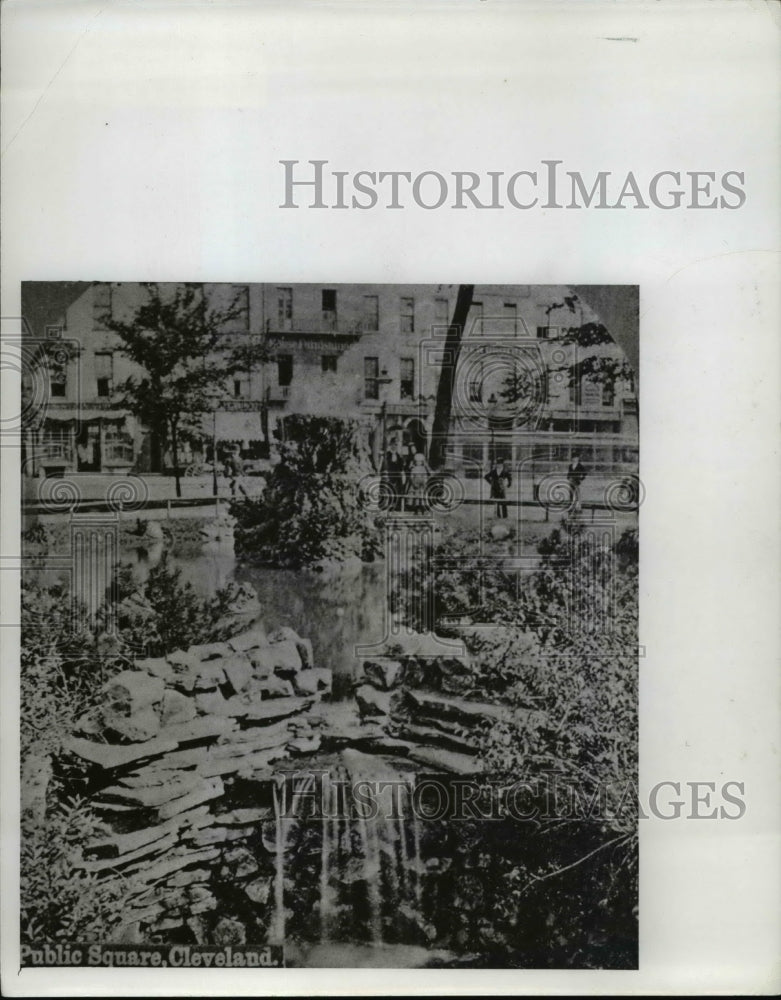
{"type": "Point", "coordinates": [500, 480]}
{"type": "Point", "coordinates": [417, 481]}
{"type": "Point", "coordinates": [393, 474]}
{"type": "Point", "coordinates": [576, 473]}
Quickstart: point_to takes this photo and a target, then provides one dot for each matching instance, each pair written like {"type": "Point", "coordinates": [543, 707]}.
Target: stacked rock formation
{"type": "Point", "coordinates": [161, 756]}
{"type": "Point", "coordinates": [416, 706]}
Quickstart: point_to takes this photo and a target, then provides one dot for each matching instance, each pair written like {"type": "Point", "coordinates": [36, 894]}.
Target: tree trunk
{"type": "Point", "coordinates": [447, 377]}
{"type": "Point", "coordinates": [175, 450]}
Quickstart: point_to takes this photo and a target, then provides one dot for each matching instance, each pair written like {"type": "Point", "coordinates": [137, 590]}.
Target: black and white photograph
{"type": "Point", "coordinates": [389, 491]}
{"type": "Point", "coordinates": [329, 625]}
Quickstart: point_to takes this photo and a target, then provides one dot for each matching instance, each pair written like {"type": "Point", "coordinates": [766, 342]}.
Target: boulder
{"type": "Point", "coordinates": [259, 890]}
{"type": "Point", "coordinates": [240, 861]}
{"type": "Point", "coordinates": [229, 932]}
{"type": "Point", "coordinates": [176, 707]}
{"type": "Point", "coordinates": [89, 724]}
{"type": "Point", "coordinates": [209, 676]}
{"type": "Point", "coordinates": [141, 725]}
{"type": "Point", "coordinates": [456, 675]}
{"type": "Point", "coordinates": [278, 687]}
{"type": "Point", "coordinates": [280, 658]}
{"type": "Point", "coordinates": [304, 646]}
{"type": "Point", "coordinates": [384, 674]}
{"type": "Point", "coordinates": [315, 680]}
{"type": "Point", "coordinates": [213, 703]}
{"type": "Point", "coordinates": [183, 661]}
{"type": "Point", "coordinates": [238, 671]}
{"type": "Point", "coordinates": [371, 702]}
{"type": "Point", "coordinates": [304, 744]}
{"type": "Point", "coordinates": [256, 636]}
{"type": "Point", "coordinates": [131, 690]}
{"type": "Point", "coordinates": [157, 667]}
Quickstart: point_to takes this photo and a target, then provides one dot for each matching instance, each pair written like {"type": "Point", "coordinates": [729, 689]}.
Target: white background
{"type": "Point", "coordinates": [141, 141]}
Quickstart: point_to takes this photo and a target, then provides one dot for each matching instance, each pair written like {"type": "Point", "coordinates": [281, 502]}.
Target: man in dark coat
{"type": "Point", "coordinates": [393, 473]}
{"type": "Point", "coordinates": [500, 480]}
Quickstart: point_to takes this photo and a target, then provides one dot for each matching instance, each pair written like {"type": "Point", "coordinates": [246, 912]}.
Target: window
{"type": "Point", "coordinates": [371, 378]}
{"type": "Point", "coordinates": [284, 369]}
{"type": "Point", "coordinates": [543, 332]}
{"type": "Point", "coordinates": [407, 313]}
{"type": "Point", "coordinates": [476, 312]}
{"type": "Point", "coordinates": [511, 316]}
{"type": "Point", "coordinates": [475, 390]}
{"type": "Point", "coordinates": [101, 306]}
{"type": "Point", "coordinates": [441, 317]}
{"type": "Point", "coordinates": [328, 362]}
{"type": "Point", "coordinates": [371, 312]}
{"type": "Point", "coordinates": [241, 386]}
{"type": "Point", "coordinates": [57, 376]}
{"type": "Point", "coordinates": [104, 372]}
{"type": "Point", "coordinates": [407, 378]}
{"type": "Point", "coordinates": [328, 300]}
{"type": "Point", "coordinates": [284, 308]}
{"type": "Point", "coordinates": [608, 394]}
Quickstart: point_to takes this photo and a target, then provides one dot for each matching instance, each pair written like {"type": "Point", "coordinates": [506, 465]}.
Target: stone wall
{"type": "Point", "coordinates": [164, 758]}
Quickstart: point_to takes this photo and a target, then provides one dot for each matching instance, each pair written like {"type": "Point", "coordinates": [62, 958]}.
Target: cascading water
{"type": "Point", "coordinates": [354, 863]}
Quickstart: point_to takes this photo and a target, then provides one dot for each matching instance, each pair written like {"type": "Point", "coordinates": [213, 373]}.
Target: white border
{"type": "Point", "coordinates": [141, 141]}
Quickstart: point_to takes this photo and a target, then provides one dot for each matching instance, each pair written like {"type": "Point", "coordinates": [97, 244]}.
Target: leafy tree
{"type": "Point", "coordinates": [601, 369]}
{"type": "Point", "coordinates": [174, 337]}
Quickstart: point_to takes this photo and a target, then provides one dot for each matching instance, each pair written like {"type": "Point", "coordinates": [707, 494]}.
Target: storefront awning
{"type": "Point", "coordinates": [235, 426]}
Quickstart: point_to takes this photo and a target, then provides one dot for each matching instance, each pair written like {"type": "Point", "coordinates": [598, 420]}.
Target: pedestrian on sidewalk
{"type": "Point", "coordinates": [417, 481]}
{"type": "Point", "coordinates": [500, 480]}
{"type": "Point", "coordinates": [576, 473]}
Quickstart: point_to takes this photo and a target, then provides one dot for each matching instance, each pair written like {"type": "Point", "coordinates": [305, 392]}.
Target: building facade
{"type": "Point", "coordinates": [371, 352]}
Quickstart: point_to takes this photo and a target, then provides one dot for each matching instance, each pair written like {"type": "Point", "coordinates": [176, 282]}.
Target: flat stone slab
{"type": "Point", "coordinates": [461, 708]}
{"type": "Point", "coordinates": [210, 788]}
{"type": "Point", "coordinates": [445, 760]}
{"type": "Point", "coordinates": [147, 796]}
{"type": "Point", "coordinates": [123, 843]}
{"type": "Point", "coordinates": [109, 756]}
{"type": "Point", "coordinates": [162, 869]}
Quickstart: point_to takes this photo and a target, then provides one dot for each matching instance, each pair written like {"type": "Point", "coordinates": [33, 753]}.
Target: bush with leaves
{"type": "Point", "coordinates": [311, 511]}
{"type": "Point", "coordinates": [59, 900]}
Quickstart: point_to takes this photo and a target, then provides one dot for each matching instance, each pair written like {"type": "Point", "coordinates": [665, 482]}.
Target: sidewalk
{"type": "Point", "coordinates": [153, 495]}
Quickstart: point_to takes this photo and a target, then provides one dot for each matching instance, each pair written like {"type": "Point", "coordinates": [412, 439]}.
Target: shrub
{"type": "Point", "coordinates": [310, 511]}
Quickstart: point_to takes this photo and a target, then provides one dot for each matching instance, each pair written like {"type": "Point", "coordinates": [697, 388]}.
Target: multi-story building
{"type": "Point", "coordinates": [373, 352]}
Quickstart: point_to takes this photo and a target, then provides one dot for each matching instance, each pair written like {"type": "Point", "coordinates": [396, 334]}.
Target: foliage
{"type": "Point", "coordinates": [172, 337]}
{"type": "Point", "coordinates": [63, 669]}
{"type": "Point", "coordinates": [311, 510]}
{"type": "Point", "coordinates": [59, 900]}
{"type": "Point", "coordinates": [60, 673]}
